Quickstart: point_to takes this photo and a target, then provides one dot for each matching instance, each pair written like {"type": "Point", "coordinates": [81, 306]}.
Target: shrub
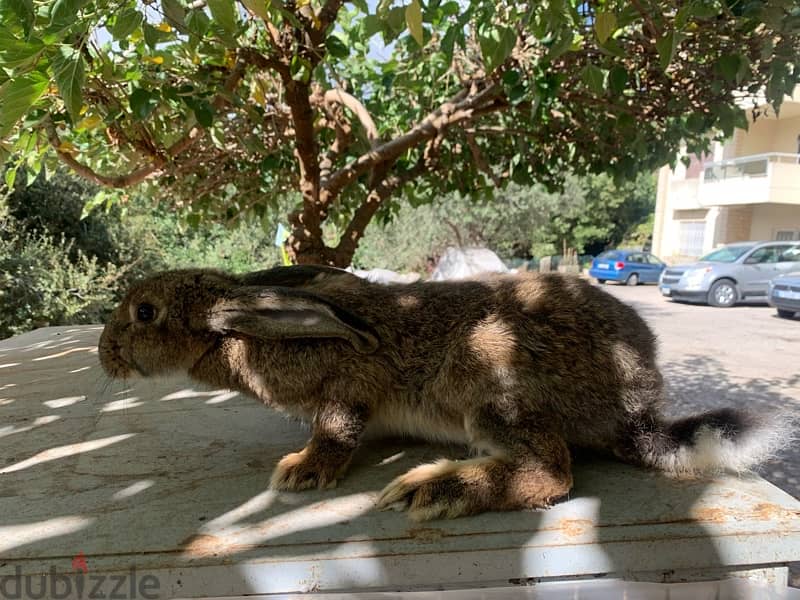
{"type": "Point", "coordinates": [46, 281]}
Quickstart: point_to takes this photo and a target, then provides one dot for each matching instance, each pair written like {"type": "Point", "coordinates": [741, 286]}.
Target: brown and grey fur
{"type": "Point", "coordinates": [518, 367]}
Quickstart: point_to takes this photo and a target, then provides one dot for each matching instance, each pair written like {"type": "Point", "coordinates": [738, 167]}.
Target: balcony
{"type": "Point", "coordinates": [758, 179]}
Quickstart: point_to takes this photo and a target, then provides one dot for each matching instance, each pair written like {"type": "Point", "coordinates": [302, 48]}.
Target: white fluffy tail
{"type": "Point", "coordinates": [720, 440]}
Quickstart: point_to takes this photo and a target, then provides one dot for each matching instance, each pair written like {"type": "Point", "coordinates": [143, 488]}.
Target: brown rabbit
{"type": "Point", "coordinates": [518, 367]}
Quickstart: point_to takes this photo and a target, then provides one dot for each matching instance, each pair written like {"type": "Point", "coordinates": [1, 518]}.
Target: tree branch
{"type": "Point", "coordinates": [328, 12]}
{"type": "Point", "coordinates": [255, 58]}
{"type": "Point", "coordinates": [158, 159]}
{"type": "Point", "coordinates": [480, 161]}
{"type": "Point", "coordinates": [647, 19]}
{"type": "Point", "coordinates": [376, 197]}
{"type": "Point", "coordinates": [351, 102]}
{"type": "Point", "coordinates": [118, 181]}
{"type": "Point", "coordinates": [462, 107]}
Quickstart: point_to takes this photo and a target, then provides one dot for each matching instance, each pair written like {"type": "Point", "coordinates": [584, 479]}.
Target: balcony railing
{"type": "Point", "coordinates": [756, 179]}
{"type": "Point", "coordinates": [756, 165]}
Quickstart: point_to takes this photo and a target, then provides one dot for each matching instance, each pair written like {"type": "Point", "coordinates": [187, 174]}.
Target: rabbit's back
{"type": "Point", "coordinates": [552, 347]}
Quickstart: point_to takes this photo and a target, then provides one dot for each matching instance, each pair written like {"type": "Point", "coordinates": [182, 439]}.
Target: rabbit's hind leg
{"type": "Point", "coordinates": [523, 473]}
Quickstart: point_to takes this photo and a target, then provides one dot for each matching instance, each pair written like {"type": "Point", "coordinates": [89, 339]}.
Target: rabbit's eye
{"type": "Point", "coordinates": [146, 313]}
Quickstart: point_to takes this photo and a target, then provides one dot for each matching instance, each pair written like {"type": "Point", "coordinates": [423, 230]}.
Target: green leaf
{"type": "Point", "coordinates": [449, 41]}
{"type": "Point", "coordinates": [69, 73]}
{"type": "Point", "coordinates": [204, 113]}
{"type": "Point", "coordinates": [23, 9]}
{"type": "Point", "coordinates": [617, 80]}
{"type": "Point", "coordinates": [260, 8]}
{"type": "Point", "coordinates": [142, 103]}
{"type": "Point", "coordinates": [414, 21]}
{"type": "Point", "coordinates": [666, 47]}
{"type": "Point", "coordinates": [496, 45]}
{"type": "Point", "coordinates": [594, 77]}
{"type": "Point", "coordinates": [682, 16]}
{"type": "Point", "coordinates": [605, 24]}
{"type": "Point", "coordinates": [451, 8]}
{"type": "Point", "coordinates": [194, 220]}
{"type": "Point", "coordinates": [15, 52]}
{"type": "Point", "coordinates": [511, 77]}
{"type": "Point", "coordinates": [728, 66]}
{"type": "Point", "coordinates": [395, 18]}
{"type": "Point", "coordinates": [64, 13]}
{"type": "Point", "coordinates": [695, 123]}
{"type": "Point", "coordinates": [175, 14]}
{"type": "Point", "coordinates": [126, 23]}
{"type": "Point", "coordinates": [300, 69]}
{"type": "Point", "coordinates": [151, 35]}
{"type": "Point", "coordinates": [704, 9]}
{"type": "Point", "coordinates": [336, 47]}
{"type": "Point", "coordinates": [197, 21]}
{"type": "Point", "coordinates": [17, 96]}
{"type": "Point", "coordinates": [10, 177]}
{"type": "Point", "coordinates": [224, 13]}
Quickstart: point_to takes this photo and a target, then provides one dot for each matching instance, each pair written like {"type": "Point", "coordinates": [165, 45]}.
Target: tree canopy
{"type": "Point", "coordinates": [222, 106]}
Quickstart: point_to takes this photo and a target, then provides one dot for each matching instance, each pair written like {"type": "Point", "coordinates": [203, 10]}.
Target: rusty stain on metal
{"type": "Point", "coordinates": [710, 515]}
{"type": "Point", "coordinates": [574, 527]}
{"type": "Point", "coordinates": [203, 545]}
{"type": "Point", "coordinates": [426, 534]}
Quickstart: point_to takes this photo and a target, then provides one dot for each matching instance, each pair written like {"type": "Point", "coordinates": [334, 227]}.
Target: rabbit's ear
{"type": "Point", "coordinates": [292, 276]}
{"type": "Point", "coordinates": [281, 313]}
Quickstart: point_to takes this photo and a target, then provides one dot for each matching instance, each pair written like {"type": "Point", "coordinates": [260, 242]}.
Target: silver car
{"type": "Point", "coordinates": [784, 294]}
{"type": "Point", "coordinates": [732, 273]}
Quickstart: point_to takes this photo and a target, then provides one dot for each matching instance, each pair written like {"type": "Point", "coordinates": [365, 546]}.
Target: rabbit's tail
{"type": "Point", "coordinates": [718, 440]}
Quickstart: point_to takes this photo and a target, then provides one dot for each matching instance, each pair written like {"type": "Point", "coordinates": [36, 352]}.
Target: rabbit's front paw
{"type": "Point", "coordinates": [442, 490]}
{"type": "Point", "coordinates": [304, 470]}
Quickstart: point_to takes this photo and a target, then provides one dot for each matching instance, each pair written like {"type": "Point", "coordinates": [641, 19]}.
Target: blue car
{"type": "Point", "coordinates": [630, 267]}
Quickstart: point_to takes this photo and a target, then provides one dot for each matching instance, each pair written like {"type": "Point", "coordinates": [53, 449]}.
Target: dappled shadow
{"type": "Point", "coordinates": [173, 479]}
{"type": "Point", "coordinates": [702, 383]}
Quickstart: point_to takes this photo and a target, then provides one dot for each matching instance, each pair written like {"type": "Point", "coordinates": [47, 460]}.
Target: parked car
{"type": "Point", "coordinates": [732, 273]}
{"type": "Point", "coordinates": [631, 267]}
{"type": "Point", "coordinates": [784, 294]}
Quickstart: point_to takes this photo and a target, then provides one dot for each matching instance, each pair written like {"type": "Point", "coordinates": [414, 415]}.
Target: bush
{"type": "Point", "coordinates": [59, 269]}
{"type": "Point", "coordinates": [44, 281]}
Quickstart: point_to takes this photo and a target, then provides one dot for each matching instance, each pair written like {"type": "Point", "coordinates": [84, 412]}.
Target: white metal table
{"type": "Point", "coordinates": [164, 483]}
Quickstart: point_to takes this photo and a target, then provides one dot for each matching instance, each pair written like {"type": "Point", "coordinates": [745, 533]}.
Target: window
{"type": "Point", "coordinates": [690, 240]}
{"type": "Point", "coordinates": [652, 260]}
{"type": "Point", "coordinates": [767, 254]}
{"type": "Point", "coordinates": [726, 254]}
{"type": "Point", "coordinates": [786, 235]}
{"type": "Point", "coordinates": [635, 258]}
{"type": "Point", "coordinates": [790, 254]}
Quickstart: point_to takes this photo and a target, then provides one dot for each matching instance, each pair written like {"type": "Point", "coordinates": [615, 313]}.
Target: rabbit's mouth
{"type": "Point", "coordinates": [115, 365]}
{"type": "Point", "coordinates": [117, 368]}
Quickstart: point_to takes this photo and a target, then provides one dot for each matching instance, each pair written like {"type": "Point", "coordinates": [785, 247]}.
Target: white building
{"type": "Point", "coordinates": [749, 189]}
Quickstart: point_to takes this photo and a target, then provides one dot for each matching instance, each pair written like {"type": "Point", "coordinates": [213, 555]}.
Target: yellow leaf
{"type": "Point", "coordinates": [165, 27]}
{"type": "Point", "coordinates": [195, 60]}
{"type": "Point", "coordinates": [302, 3]}
{"type": "Point", "coordinates": [257, 93]}
{"type": "Point", "coordinates": [89, 122]}
{"type": "Point", "coordinates": [259, 8]}
{"type": "Point", "coordinates": [83, 109]}
{"type": "Point", "coordinates": [414, 21]}
{"type": "Point", "coordinates": [67, 147]}
{"type": "Point", "coordinates": [156, 60]}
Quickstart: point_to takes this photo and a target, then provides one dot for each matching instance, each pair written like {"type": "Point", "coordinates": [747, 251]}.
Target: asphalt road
{"type": "Point", "coordinates": [745, 356]}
